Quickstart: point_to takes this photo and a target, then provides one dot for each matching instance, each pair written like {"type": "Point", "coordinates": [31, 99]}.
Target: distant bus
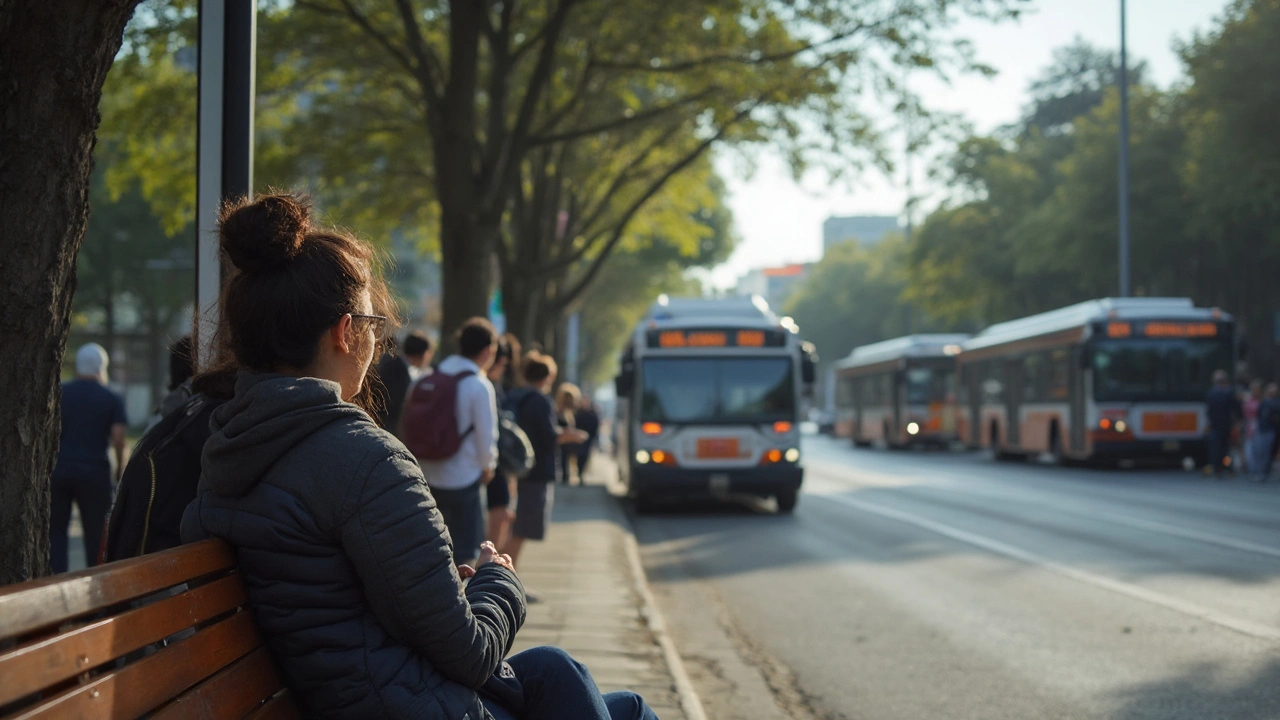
{"type": "Point", "coordinates": [899, 392]}
{"type": "Point", "coordinates": [1113, 378]}
{"type": "Point", "coordinates": [709, 400]}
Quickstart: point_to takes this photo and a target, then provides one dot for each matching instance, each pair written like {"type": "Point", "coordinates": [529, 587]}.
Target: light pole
{"type": "Point", "coordinates": [1123, 81]}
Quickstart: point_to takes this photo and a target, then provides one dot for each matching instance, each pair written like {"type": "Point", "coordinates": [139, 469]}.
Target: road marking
{"type": "Point", "coordinates": [1246, 627]}
{"type": "Point", "coordinates": [1135, 523]}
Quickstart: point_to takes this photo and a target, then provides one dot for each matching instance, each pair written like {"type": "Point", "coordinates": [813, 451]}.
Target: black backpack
{"type": "Point", "coordinates": [515, 452]}
{"type": "Point", "coordinates": [158, 483]}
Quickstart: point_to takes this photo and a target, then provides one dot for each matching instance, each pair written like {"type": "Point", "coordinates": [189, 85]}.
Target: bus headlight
{"type": "Point", "coordinates": [1121, 426]}
{"type": "Point", "coordinates": [913, 428]}
{"type": "Point", "coordinates": [642, 457]}
{"type": "Point", "coordinates": [793, 455]}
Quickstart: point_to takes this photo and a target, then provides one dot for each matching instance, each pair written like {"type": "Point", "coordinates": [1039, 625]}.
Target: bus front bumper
{"type": "Point", "coordinates": [1146, 448]}
{"type": "Point", "coordinates": [663, 481]}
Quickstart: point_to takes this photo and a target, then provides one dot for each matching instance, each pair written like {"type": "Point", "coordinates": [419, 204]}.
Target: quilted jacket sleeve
{"type": "Point", "coordinates": [397, 542]}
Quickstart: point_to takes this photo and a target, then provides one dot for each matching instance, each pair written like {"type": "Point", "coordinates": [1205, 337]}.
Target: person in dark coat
{"type": "Point", "coordinates": [1224, 410]}
{"type": "Point", "coordinates": [395, 374]}
{"type": "Point", "coordinates": [345, 557]}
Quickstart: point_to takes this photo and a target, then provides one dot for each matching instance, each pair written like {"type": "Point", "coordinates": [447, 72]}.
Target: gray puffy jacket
{"type": "Point", "coordinates": [348, 564]}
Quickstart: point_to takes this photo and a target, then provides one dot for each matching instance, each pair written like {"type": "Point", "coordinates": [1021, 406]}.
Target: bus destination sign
{"type": "Point", "coordinates": [1162, 329]}
{"type": "Point", "coordinates": [714, 338]}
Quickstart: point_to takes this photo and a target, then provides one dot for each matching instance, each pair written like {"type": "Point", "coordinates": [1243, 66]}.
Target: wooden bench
{"type": "Point", "coordinates": [167, 635]}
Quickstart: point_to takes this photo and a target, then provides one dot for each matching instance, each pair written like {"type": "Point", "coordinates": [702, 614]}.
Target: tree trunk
{"type": "Point", "coordinates": [465, 247]}
{"type": "Point", "coordinates": [54, 57]}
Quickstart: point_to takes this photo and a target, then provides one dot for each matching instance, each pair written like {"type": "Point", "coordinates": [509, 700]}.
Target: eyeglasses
{"type": "Point", "coordinates": [379, 323]}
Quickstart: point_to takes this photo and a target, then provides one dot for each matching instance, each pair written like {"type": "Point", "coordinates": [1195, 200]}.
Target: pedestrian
{"type": "Point", "coordinates": [499, 490]}
{"type": "Point", "coordinates": [1250, 399]}
{"type": "Point", "coordinates": [344, 554]}
{"type": "Point", "coordinates": [1224, 411]}
{"type": "Point", "coordinates": [395, 374]}
{"type": "Point", "coordinates": [451, 424]}
{"type": "Point", "coordinates": [586, 419]}
{"type": "Point", "coordinates": [1268, 422]}
{"type": "Point", "coordinates": [93, 418]}
{"type": "Point", "coordinates": [567, 397]}
{"type": "Point", "coordinates": [181, 368]}
{"type": "Point", "coordinates": [538, 418]}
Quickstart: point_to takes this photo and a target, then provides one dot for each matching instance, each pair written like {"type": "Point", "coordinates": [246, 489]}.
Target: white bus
{"type": "Point", "coordinates": [899, 392]}
{"type": "Point", "coordinates": [1104, 379]}
{"type": "Point", "coordinates": [709, 399]}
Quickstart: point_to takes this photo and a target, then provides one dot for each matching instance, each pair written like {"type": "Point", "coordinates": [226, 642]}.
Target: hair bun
{"type": "Point", "coordinates": [264, 234]}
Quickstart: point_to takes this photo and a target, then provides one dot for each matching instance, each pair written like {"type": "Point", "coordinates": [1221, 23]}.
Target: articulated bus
{"type": "Point", "coordinates": [899, 392]}
{"type": "Point", "coordinates": [1105, 379]}
{"type": "Point", "coordinates": [709, 399]}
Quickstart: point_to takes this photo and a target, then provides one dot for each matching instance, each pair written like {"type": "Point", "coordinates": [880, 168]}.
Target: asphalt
{"type": "Point", "coordinates": [914, 585]}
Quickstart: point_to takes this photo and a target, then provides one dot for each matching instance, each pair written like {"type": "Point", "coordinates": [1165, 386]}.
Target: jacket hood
{"type": "Point", "coordinates": [268, 416]}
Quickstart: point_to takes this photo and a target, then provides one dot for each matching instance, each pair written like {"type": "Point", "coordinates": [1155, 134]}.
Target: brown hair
{"type": "Point", "coordinates": [537, 367]}
{"type": "Point", "coordinates": [291, 283]}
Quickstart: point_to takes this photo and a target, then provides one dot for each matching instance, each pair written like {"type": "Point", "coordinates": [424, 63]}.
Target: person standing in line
{"type": "Point", "coordinates": [1268, 422]}
{"type": "Point", "coordinates": [567, 397]}
{"type": "Point", "coordinates": [456, 481]}
{"type": "Point", "coordinates": [396, 374]}
{"type": "Point", "coordinates": [181, 368]}
{"type": "Point", "coordinates": [1224, 411]}
{"type": "Point", "coordinates": [538, 418]}
{"type": "Point", "coordinates": [1250, 399]}
{"type": "Point", "coordinates": [586, 419]}
{"type": "Point", "coordinates": [498, 491]}
{"type": "Point", "coordinates": [92, 418]}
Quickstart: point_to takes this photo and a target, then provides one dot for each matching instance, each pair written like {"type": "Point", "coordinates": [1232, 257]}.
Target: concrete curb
{"type": "Point", "coordinates": [689, 700]}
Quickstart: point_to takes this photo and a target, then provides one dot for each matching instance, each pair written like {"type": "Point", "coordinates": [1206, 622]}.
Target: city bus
{"type": "Point", "coordinates": [899, 392]}
{"type": "Point", "coordinates": [709, 402]}
{"type": "Point", "coordinates": [1112, 379]}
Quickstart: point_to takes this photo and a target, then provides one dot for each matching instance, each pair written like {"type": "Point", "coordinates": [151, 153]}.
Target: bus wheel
{"type": "Point", "coordinates": [787, 500]}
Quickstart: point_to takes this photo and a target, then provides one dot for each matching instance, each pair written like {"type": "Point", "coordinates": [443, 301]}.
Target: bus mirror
{"type": "Point", "coordinates": [623, 383]}
{"type": "Point", "coordinates": [808, 363]}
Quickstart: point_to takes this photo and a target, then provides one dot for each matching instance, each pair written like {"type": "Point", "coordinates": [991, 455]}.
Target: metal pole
{"type": "Point", "coordinates": [1124, 156]}
{"type": "Point", "coordinates": [224, 162]}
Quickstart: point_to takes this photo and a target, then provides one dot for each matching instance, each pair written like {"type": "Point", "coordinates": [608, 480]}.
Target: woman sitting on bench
{"type": "Point", "coordinates": [348, 566]}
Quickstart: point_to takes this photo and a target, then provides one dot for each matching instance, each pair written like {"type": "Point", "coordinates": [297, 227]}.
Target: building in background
{"type": "Point", "coordinates": [867, 230]}
{"type": "Point", "coordinates": [774, 284]}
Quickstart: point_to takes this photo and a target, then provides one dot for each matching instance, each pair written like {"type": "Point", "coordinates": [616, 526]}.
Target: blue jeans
{"type": "Point", "coordinates": [557, 687]}
{"type": "Point", "coordinates": [1260, 452]}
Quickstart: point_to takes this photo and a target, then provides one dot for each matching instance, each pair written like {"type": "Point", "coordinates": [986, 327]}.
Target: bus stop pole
{"type": "Point", "coordinates": [224, 161]}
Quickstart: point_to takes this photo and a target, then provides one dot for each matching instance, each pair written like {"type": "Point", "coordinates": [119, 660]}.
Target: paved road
{"type": "Point", "coordinates": [931, 585]}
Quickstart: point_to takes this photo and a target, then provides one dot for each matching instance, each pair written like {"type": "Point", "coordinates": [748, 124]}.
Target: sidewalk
{"type": "Point", "coordinates": [594, 603]}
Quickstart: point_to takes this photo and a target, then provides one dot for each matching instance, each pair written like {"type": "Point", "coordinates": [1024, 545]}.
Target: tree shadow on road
{"type": "Point", "coordinates": [1200, 692]}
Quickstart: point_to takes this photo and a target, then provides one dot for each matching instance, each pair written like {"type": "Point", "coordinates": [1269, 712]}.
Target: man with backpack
{"type": "Point", "coordinates": [450, 423]}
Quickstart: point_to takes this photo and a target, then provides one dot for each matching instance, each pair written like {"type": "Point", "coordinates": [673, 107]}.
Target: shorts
{"type": "Point", "coordinates": [533, 509]}
{"type": "Point", "coordinates": [498, 492]}
{"type": "Point", "coordinates": [463, 517]}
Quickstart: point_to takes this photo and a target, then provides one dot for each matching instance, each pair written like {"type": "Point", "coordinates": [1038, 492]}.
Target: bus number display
{"type": "Point", "coordinates": [715, 338]}
{"type": "Point", "coordinates": [1162, 330]}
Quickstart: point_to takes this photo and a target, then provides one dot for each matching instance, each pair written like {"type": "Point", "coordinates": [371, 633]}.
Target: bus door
{"type": "Point", "coordinates": [1012, 402]}
{"type": "Point", "coordinates": [1076, 385]}
{"type": "Point", "coordinates": [899, 403]}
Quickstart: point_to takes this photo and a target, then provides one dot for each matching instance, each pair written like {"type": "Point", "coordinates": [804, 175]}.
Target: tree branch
{"type": "Point", "coordinates": [429, 68]}
{"type": "Point", "coordinates": [624, 121]}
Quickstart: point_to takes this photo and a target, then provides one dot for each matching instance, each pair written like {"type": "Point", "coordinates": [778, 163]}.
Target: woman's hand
{"type": "Point", "coordinates": [466, 572]}
{"type": "Point", "coordinates": [489, 554]}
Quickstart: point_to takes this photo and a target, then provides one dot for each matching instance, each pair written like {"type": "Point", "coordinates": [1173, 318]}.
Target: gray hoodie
{"type": "Point", "coordinates": [347, 561]}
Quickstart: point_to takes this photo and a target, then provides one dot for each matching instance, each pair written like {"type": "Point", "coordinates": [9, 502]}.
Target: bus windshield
{"type": "Point", "coordinates": [927, 385]}
{"type": "Point", "coordinates": [718, 390]}
{"type": "Point", "coordinates": [1148, 369]}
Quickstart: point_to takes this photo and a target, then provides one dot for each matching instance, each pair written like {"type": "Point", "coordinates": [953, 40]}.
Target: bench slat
{"type": "Point", "coordinates": [233, 693]}
{"type": "Point", "coordinates": [50, 601]}
{"type": "Point", "coordinates": [144, 685]}
{"type": "Point", "coordinates": [48, 662]}
{"type": "Point", "coordinates": [280, 707]}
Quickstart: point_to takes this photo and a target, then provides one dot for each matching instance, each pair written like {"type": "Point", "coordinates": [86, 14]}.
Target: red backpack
{"type": "Point", "coordinates": [429, 420]}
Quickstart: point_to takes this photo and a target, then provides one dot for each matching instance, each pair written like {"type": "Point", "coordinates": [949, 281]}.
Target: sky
{"type": "Point", "coordinates": [780, 221]}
